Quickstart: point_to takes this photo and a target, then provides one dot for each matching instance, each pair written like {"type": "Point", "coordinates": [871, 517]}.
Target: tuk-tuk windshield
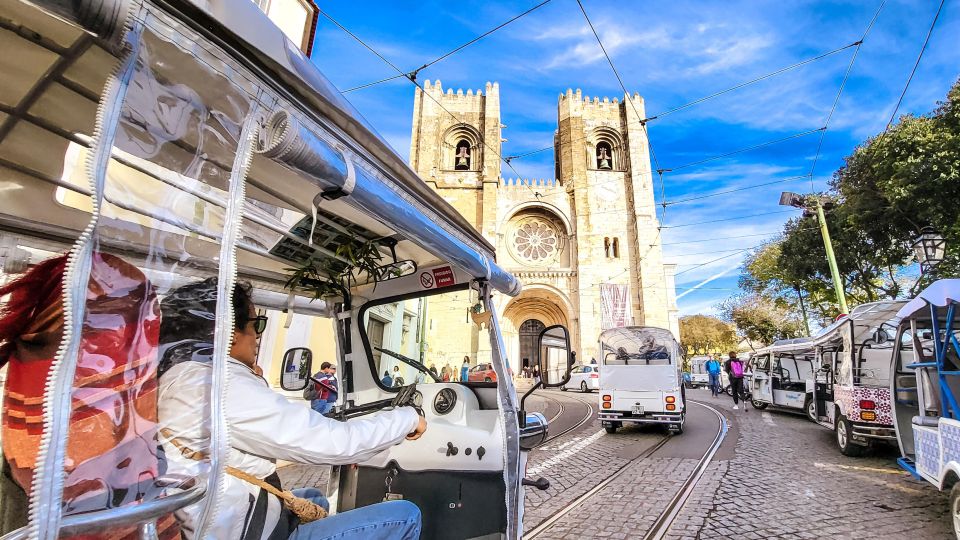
{"type": "Point", "coordinates": [427, 339]}
{"type": "Point", "coordinates": [637, 346]}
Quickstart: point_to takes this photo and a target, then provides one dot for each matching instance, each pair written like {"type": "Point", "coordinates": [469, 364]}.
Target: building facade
{"type": "Point", "coordinates": [586, 243]}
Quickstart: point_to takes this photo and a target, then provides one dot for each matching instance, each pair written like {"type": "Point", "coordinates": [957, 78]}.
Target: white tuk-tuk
{"type": "Point", "coordinates": [169, 143]}
{"type": "Point", "coordinates": [640, 379]}
{"type": "Point", "coordinates": [783, 376]}
{"type": "Point", "coordinates": [851, 392]}
{"type": "Point", "coordinates": [925, 386]}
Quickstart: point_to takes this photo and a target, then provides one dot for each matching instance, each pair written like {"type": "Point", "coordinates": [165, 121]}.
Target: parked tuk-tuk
{"type": "Point", "coordinates": [640, 379]}
{"type": "Point", "coordinates": [851, 391]}
{"type": "Point", "coordinates": [926, 385]}
{"type": "Point", "coordinates": [165, 144]}
{"type": "Point", "coordinates": [782, 376]}
{"type": "Point", "coordinates": [697, 376]}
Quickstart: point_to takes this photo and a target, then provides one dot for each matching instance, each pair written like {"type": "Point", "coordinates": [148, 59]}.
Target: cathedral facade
{"type": "Point", "coordinates": [585, 244]}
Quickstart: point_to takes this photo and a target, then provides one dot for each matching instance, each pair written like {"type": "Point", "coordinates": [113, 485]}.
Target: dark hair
{"type": "Point", "coordinates": [39, 287]}
{"type": "Point", "coordinates": [188, 321]}
{"type": "Point", "coordinates": [325, 365]}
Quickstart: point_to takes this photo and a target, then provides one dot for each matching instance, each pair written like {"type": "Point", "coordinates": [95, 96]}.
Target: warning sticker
{"type": "Point", "coordinates": [444, 276]}
{"type": "Point", "coordinates": [426, 280]}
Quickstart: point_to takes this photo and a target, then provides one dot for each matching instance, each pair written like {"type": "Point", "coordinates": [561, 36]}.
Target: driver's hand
{"type": "Point", "coordinates": [421, 427]}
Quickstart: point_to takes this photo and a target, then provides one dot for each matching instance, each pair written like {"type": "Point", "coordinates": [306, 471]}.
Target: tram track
{"type": "Point", "coordinates": [676, 503]}
{"type": "Point", "coordinates": [586, 418]}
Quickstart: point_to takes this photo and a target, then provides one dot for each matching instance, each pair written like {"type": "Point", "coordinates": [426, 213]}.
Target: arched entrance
{"type": "Point", "coordinates": [529, 332]}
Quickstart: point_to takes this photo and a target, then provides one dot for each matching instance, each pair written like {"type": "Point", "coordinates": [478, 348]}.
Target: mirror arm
{"type": "Point", "coordinates": [522, 414]}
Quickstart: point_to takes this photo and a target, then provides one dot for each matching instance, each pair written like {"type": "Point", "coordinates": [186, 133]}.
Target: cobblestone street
{"type": "Point", "coordinates": [776, 475]}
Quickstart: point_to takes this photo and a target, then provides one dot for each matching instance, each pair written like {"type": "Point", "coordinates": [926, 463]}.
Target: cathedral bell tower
{"type": "Point", "coordinates": [455, 147]}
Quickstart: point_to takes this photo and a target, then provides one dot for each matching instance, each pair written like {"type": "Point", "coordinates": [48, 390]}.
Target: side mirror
{"type": "Point", "coordinates": [881, 336]}
{"type": "Point", "coordinates": [554, 356]}
{"type": "Point", "coordinates": [534, 432]}
{"type": "Point", "coordinates": [297, 368]}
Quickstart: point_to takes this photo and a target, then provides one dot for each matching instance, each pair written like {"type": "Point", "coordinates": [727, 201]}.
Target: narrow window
{"type": "Point", "coordinates": [604, 156]}
{"type": "Point", "coordinates": [606, 247]}
{"type": "Point", "coordinates": [616, 248]}
{"type": "Point", "coordinates": [462, 157]}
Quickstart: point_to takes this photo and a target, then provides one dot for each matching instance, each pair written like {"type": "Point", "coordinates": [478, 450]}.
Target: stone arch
{"type": "Point", "coordinates": [539, 302]}
{"type": "Point", "coordinates": [611, 139]}
{"type": "Point", "coordinates": [453, 137]}
{"type": "Point", "coordinates": [546, 207]}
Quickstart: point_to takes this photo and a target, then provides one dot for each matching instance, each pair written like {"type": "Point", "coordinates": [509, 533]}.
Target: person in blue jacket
{"type": "Point", "coordinates": [465, 369]}
{"type": "Point", "coordinates": [712, 366]}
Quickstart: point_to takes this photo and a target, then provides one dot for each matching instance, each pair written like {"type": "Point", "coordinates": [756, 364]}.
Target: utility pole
{"type": "Point", "coordinates": [795, 200]}
{"type": "Point", "coordinates": [837, 282]}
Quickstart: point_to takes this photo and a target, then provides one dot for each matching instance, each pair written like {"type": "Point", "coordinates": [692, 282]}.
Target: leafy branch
{"type": "Point", "coordinates": [328, 277]}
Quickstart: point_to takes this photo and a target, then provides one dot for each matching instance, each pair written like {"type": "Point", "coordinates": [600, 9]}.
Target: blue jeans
{"type": "Point", "coordinates": [321, 406]}
{"type": "Point", "coordinates": [714, 383]}
{"type": "Point", "coordinates": [391, 520]}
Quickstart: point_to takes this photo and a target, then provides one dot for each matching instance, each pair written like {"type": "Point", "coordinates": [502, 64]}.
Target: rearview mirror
{"type": "Point", "coordinates": [534, 431]}
{"type": "Point", "coordinates": [881, 336]}
{"type": "Point", "coordinates": [554, 356]}
{"type": "Point", "coordinates": [297, 368]}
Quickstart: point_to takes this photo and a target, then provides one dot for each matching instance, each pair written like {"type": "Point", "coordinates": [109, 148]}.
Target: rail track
{"type": "Point", "coordinates": [676, 503]}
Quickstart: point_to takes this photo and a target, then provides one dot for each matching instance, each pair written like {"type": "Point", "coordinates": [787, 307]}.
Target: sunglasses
{"type": "Point", "coordinates": [259, 323]}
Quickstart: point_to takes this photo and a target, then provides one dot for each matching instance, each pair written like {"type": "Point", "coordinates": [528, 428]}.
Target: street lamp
{"type": "Point", "coordinates": [929, 247]}
{"type": "Point", "coordinates": [810, 205]}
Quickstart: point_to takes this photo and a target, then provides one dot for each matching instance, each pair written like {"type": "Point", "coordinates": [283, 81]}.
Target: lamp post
{"type": "Point", "coordinates": [795, 200]}
{"type": "Point", "coordinates": [929, 248]}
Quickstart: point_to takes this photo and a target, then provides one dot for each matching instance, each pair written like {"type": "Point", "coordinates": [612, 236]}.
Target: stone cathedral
{"type": "Point", "coordinates": [585, 243]}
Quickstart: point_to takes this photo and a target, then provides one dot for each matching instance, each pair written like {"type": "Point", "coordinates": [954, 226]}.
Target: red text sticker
{"type": "Point", "coordinates": [444, 276]}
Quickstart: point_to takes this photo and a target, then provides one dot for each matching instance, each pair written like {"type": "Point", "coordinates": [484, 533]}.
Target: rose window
{"type": "Point", "coordinates": [536, 240]}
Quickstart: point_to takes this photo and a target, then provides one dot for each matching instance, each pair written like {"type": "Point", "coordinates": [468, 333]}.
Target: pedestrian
{"type": "Point", "coordinates": [320, 388]}
{"type": "Point", "coordinates": [734, 368]}
{"type": "Point", "coordinates": [397, 377]}
{"type": "Point", "coordinates": [593, 361]}
{"type": "Point", "coordinates": [536, 374]}
{"type": "Point", "coordinates": [433, 369]}
{"type": "Point", "coordinates": [387, 380]}
{"type": "Point", "coordinates": [465, 369]}
{"type": "Point", "coordinates": [712, 367]}
{"type": "Point", "coordinates": [445, 374]}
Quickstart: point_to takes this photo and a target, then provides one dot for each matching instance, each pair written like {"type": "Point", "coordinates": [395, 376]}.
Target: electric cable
{"type": "Point", "coordinates": [917, 63]}
{"type": "Point", "coordinates": [413, 74]}
{"type": "Point", "coordinates": [726, 219]}
{"type": "Point", "coordinates": [711, 261]}
{"type": "Point", "coordinates": [744, 188]}
{"type": "Point", "coordinates": [843, 83]}
{"type": "Point", "coordinates": [417, 84]}
{"type": "Point", "coordinates": [745, 149]}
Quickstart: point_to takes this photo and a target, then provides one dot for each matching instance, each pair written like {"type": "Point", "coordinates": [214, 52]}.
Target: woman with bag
{"type": "Point", "coordinates": [734, 368]}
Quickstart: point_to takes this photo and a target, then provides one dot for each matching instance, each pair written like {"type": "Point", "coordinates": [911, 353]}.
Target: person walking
{"type": "Point", "coordinates": [734, 368]}
{"type": "Point", "coordinates": [712, 367]}
{"type": "Point", "coordinates": [465, 369]}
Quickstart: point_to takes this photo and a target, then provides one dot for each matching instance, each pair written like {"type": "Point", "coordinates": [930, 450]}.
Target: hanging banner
{"type": "Point", "coordinates": [614, 305]}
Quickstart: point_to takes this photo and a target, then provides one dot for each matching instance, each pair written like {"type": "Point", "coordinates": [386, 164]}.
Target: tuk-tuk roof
{"type": "Point", "coordinates": [636, 332]}
{"type": "Point", "coordinates": [866, 318]}
{"type": "Point", "coordinates": [940, 293]}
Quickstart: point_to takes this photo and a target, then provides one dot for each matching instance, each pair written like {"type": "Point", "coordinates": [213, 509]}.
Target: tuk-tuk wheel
{"type": "Point", "coordinates": [611, 427]}
{"type": "Point", "coordinates": [810, 409]}
{"type": "Point", "coordinates": [678, 428]}
{"type": "Point", "coordinates": [758, 405]}
{"type": "Point", "coordinates": [845, 442]}
{"type": "Point", "coordinates": [955, 508]}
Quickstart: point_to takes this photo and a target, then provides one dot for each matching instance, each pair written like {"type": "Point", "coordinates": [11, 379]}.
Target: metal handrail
{"type": "Point", "coordinates": [113, 518]}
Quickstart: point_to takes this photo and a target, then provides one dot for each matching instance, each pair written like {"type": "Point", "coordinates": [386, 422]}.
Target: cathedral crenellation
{"type": "Point", "coordinates": [583, 243]}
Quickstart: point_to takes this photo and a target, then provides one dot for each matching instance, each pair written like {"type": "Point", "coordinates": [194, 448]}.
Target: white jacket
{"type": "Point", "coordinates": [263, 427]}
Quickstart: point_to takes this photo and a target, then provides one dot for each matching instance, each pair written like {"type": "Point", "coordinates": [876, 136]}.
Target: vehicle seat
{"type": "Point", "coordinates": [907, 390]}
{"type": "Point", "coordinates": [931, 390]}
{"type": "Point", "coordinates": [927, 421]}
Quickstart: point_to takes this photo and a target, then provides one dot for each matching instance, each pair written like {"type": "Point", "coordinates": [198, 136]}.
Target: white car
{"type": "Point", "coordinates": [584, 378]}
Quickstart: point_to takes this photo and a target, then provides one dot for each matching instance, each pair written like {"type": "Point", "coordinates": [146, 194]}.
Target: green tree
{"type": "Point", "coordinates": [701, 333]}
{"type": "Point", "coordinates": [760, 319]}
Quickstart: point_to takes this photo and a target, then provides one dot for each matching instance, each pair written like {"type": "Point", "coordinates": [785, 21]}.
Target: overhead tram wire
{"type": "Point", "coordinates": [729, 191]}
{"type": "Point", "coordinates": [843, 83]}
{"type": "Point", "coordinates": [413, 74]}
{"type": "Point", "coordinates": [711, 96]}
{"type": "Point", "coordinates": [893, 116]}
{"type": "Point", "coordinates": [745, 149]}
{"type": "Point", "coordinates": [417, 84]}
{"type": "Point", "coordinates": [711, 261]}
{"type": "Point", "coordinates": [725, 219]}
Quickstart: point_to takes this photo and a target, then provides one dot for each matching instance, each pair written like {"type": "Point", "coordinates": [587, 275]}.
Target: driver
{"type": "Point", "coordinates": [253, 415]}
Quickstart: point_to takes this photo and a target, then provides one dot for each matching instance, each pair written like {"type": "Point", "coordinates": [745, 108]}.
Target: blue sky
{"type": "Point", "coordinates": [671, 53]}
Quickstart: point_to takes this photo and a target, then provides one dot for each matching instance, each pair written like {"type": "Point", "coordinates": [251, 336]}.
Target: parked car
{"type": "Point", "coordinates": [482, 373]}
{"type": "Point", "coordinates": [584, 378]}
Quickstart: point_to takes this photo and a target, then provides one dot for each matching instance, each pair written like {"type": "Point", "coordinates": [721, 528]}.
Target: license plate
{"type": "Point", "coordinates": [638, 409]}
